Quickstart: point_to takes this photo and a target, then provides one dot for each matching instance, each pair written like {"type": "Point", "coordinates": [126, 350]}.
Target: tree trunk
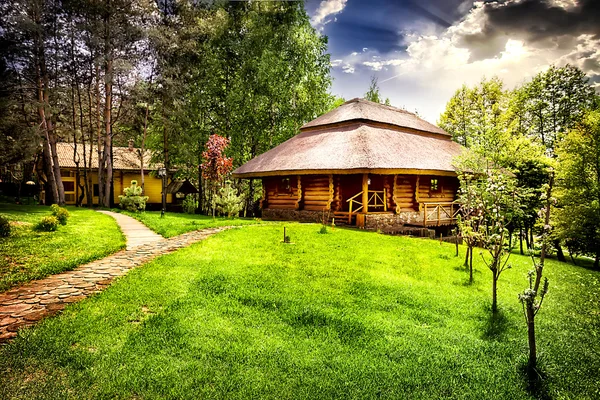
{"type": "Point", "coordinates": [597, 260]}
{"type": "Point", "coordinates": [531, 338]}
{"type": "Point", "coordinates": [531, 239]}
{"type": "Point", "coordinates": [467, 257]}
{"type": "Point", "coordinates": [471, 265]}
{"type": "Point", "coordinates": [559, 252]}
{"type": "Point", "coordinates": [108, 83]}
{"type": "Point", "coordinates": [521, 239]}
{"type": "Point", "coordinates": [51, 190]}
{"type": "Point", "coordinates": [494, 298]}
{"type": "Point", "coordinates": [101, 166]}
{"type": "Point", "coordinates": [527, 239]}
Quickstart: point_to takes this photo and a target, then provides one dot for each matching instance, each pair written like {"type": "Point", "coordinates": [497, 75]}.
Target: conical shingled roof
{"type": "Point", "coordinates": [359, 137]}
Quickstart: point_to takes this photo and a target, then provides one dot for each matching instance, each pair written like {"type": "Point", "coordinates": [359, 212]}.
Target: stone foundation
{"type": "Point", "coordinates": [293, 215]}
{"type": "Point", "coordinates": [392, 221]}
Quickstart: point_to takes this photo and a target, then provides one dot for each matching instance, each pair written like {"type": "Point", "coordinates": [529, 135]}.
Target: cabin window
{"type": "Point", "coordinates": [96, 190]}
{"type": "Point", "coordinates": [435, 186]}
{"type": "Point", "coordinates": [285, 186]}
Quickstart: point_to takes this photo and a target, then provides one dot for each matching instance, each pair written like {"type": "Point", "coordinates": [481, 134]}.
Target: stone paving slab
{"type": "Point", "coordinates": [137, 234]}
{"type": "Point", "coordinates": [25, 305]}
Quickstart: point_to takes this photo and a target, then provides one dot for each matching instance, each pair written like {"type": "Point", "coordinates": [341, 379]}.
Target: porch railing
{"type": "Point", "coordinates": [436, 214]}
{"type": "Point", "coordinates": [376, 199]}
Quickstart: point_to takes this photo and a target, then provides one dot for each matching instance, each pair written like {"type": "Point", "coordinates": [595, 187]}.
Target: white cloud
{"type": "Point", "coordinates": [336, 63]}
{"type": "Point", "coordinates": [327, 8]}
{"type": "Point", "coordinates": [348, 69]}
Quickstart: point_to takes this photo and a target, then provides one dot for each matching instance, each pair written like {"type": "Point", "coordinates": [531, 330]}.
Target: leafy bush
{"type": "Point", "coordinates": [133, 199]}
{"type": "Point", "coordinates": [47, 224]}
{"type": "Point", "coordinates": [61, 214]}
{"type": "Point", "coordinates": [190, 204]}
{"type": "Point", "coordinates": [323, 229]}
{"type": "Point", "coordinates": [54, 209]}
{"type": "Point", "coordinates": [228, 202]}
{"type": "Point", "coordinates": [4, 227]}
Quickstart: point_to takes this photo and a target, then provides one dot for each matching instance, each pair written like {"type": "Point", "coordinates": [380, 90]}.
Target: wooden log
{"type": "Point", "coordinates": [314, 208]}
{"type": "Point", "coordinates": [316, 203]}
{"type": "Point", "coordinates": [310, 197]}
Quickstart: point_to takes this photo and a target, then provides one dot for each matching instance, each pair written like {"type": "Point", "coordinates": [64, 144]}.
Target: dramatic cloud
{"type": "Point", "coordinates": [540, 23]}
{"type": "Point", "coordinates": [511, 39]}
{"type": "Point", "coordinates": [327, 8]}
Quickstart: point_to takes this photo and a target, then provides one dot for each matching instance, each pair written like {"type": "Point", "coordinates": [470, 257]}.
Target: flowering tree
{"type": "Point", "coordinates": [533, 296]}
{"type": "Point", "coordinates": [490, 202]}
{"type": "Point", "coordinates": [215, 166]}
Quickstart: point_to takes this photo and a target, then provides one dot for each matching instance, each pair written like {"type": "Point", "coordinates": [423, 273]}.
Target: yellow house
{"type": "Point", "coordinates": [126, 167]}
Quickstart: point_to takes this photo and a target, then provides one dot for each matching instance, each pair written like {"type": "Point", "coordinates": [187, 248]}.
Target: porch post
{"type": "Point", "coordinates": [365, 194]}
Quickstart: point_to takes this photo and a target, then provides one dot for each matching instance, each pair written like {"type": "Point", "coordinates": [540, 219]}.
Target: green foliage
{"type": "Point", "coordinates": [47, 224]}
{"type": "Point", "coordinates": [4, 226]}
{"type": "Point", "coordinates": [373, 92]}
{"type": "Point", "coordinates": [190, 204]}
{"type": "Point", "coordinates": [552, 103]}
{"type": "Point", "coordinates": [578, 214]}
{"type": "Point", "coordinates": [228, 202]}
{"type": "Point", "coordinates": [323, 229]}
{"type": "Point", "coordinates": [325, 318]}
{"type": "Point", "coordinates": [61, 214]}
{"type": "Point", "coordinates": [132, 200]}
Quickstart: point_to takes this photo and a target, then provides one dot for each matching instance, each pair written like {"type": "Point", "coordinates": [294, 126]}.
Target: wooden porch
{"type": "Point", "coordinates": [364, 199]}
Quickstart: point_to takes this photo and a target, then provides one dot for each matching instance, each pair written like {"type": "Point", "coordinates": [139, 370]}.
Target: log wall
{"type": "Point", "coordinates": [278, 196]}
{"type": "Point", "coordinates": [404, 193]}
{"type": "Point", "coordinates": [448, 186]}
{"type": "Point", "coordinates": [317, 192]}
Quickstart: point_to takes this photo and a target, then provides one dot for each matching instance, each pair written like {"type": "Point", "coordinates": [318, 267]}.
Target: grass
{"type": "Point", "coordinates": [348, 314]}
{"type": "Point", "coordinates": [28, 254]}
{"type": "Point", "coordinates": [173, 224]}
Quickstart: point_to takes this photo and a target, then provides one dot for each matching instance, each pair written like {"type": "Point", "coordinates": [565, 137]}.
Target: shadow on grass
{"type": "Point", "coordinates": [495, 325]}
{"type": "Point", "coordinates": [535, 381]}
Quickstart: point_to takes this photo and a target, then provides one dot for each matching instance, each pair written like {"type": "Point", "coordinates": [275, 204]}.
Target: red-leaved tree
{"type": "Point", "coordinates": [215, 166]}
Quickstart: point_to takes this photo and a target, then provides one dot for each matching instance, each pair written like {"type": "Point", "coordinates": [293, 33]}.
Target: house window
{"type": "Point", "coordinates": [435, 186]}
{"type": "Point", "coordinates": [96, 190]}
{"type": "Point", "coordinates": [285, 186]}
{"type": "Point", "coordinates": [69, 186]}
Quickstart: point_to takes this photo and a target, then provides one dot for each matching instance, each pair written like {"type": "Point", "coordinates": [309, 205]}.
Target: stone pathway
{"type": "Point", "coordinates": [137, 234]}
{"type": "Point", "coordinates": [24, 306]}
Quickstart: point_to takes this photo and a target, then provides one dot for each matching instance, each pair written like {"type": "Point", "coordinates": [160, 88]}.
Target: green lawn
{"type": "Point", "coordinates": [28, 254]}
{"type": "Point", "coordinates": [173, 224]}
{"type": "Point", "coordinates": [348, 314]}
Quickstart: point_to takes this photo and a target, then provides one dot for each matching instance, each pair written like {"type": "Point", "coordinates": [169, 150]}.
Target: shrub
{"type": "Point", "coordinates": [228, 202]}
{"type": "Point", "coordinates": [61, 214]}
{"type": "Point", "coordinates": [323, 229]}
{"type": "Point", "coordinates": [47, 224]}
{"type": "Point", "coordinates": [4, 227]}
{"type": "Point", "coordinates": [54, 209]}
{"type": "Point", "coordinates": [133, 199]}
{"type": "Point", "coordinates": [190, 204]}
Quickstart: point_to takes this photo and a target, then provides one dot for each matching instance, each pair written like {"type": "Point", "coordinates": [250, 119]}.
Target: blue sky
{"type": "Point", "coordinates": [421, 51]}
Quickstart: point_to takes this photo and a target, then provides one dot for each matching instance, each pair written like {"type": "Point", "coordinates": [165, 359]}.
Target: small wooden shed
{"type": "Point", "coordinates": [363, 163]}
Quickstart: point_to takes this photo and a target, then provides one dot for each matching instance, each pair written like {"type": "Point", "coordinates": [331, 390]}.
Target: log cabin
{"type": "Point", "coordinates": [363, 163]}
{"type": "Point", "coordinates": [126, 167]}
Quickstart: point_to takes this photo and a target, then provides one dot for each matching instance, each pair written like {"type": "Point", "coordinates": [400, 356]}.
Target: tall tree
{"type": "Point", "coordinates": [578, 218]}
